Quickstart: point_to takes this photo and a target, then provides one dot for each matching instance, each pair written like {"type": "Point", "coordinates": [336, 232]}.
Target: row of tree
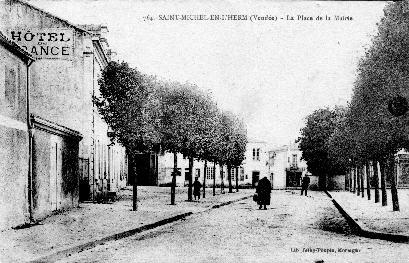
{"type": "Point", "coordinates": [373, 128]}
{"type": "Point", "coordinates": [149, 115]}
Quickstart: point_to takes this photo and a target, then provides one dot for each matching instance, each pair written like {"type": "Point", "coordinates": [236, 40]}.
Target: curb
{"type": "Point", "coordinates": [359, 230]}
{"type": "Point", "coordinates": [90, 244]}
{"type": "Point", "coordinates": [229, 202]}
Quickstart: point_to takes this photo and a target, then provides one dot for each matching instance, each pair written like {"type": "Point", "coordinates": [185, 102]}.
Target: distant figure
{"type": "Point", "coordinates": [196, 188]}
{"type": "Point", "coordinates": [304, 184]}
{"type": "Point", "coordinates": [264, 191]}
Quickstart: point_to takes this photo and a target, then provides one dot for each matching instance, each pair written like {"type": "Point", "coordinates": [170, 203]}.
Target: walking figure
{"type": "Point", "coordinates": [304, 184]}
{"type": "Point", "coordinates": [196, 188]}
{"type": "Point", "coordinates": [264, 191]}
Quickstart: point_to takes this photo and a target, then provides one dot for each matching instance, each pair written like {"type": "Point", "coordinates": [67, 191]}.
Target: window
{"type": "Point", "coordinates": [233, 173]}
{"type": "Point", "coordinates": [294, 160]}
{"type": "Point", "coordinates": [241, 174]}
{"type": "Point", "coordinates": [256, 154]}
{"type": "Point", "coordinates": [209, 173]}
{"type": "Point", "coordinates": [197, 174]}
{"type": "Point", "coordinates": [187, 174]}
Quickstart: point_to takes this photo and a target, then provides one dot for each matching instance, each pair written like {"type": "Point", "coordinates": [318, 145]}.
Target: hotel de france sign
{"type": "Point", "coordinates": [51, 43]}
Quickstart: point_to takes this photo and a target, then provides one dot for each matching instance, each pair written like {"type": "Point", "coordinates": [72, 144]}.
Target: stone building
{"type": "Point", "coordinates": [14, 136]}
{"type": "Point", "coordinates": [255, 164]}
{"type": "Point", "coordinates": [286, 167]}
{"type": "Point", "coordinates": [70, 152]}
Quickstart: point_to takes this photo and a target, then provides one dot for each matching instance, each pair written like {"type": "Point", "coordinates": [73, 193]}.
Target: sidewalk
{"type": "Point", "coordinates": [374, 220]}
{"type": "Point", "coordinates": [96, 221]}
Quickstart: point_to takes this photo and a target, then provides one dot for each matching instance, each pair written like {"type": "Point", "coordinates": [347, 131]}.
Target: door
{"type": "Point", "coordinates": [85, 190]}
{"type": "Point", "coordinates": [255, 178]}
{"type": "Point", "coordinates": [55, 172]}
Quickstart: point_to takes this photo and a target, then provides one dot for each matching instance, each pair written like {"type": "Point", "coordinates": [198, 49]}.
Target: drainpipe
{"type": "Point", "coordinates": [93, 129]}
{"type": "Point", "coordinates": [30, 145]}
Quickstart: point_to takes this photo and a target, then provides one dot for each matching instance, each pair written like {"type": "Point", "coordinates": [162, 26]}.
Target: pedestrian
{"type": "Point", "coordinates": [304, 185]}
{"type": "Point", "coordinates": [263, 191]}
{"type": "Point", "coordinates": [196, 188]}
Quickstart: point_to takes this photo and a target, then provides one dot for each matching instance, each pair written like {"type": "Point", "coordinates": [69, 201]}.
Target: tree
{"type": "Point", "coordinates": [382, 77]}
{"type": "Point", "coordinates": [126, 104]}
{"type": "Point", "coordinates": [314, 138]}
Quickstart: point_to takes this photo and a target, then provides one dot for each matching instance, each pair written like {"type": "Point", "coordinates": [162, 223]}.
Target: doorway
{"type": "Point", "coordinates": [255, 178]}
{"type": "Point", "coordinates": [293, 179]}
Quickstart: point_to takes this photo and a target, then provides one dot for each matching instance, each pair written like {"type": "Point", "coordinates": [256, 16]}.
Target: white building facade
{"type": "Point", "coordinates": [255, 164]}
{"type": "Point", "coordinates": [286, 166]}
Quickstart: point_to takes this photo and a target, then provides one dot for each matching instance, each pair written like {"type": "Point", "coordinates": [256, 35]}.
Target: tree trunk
{"type": "Point", "coordinates": [368, 181]}
{"type": "Point", "coordinates": [237, 178]}
{"type": "Point", "coordinates": [221, 179]}
{"type": "Point", "coordinates": [173, 186]}
{"type": "Point", "coordinates": [362, 182]}
{"type": "Point", "coordinates": [351, 174]}
{"type": "Point", "coordinates": [358, 181]}
{"type": "Point", "coordinates": [323, 181]}
{"type": "Point", "coordinates": [214, 178]}
{"type": "Point", "coordinates": [204, 179]}
{"type": "Point", "coordinates": [392, 180]}
{"type": "Point", "coordinates": [229, 177]}
{"type": "Point", "coordinates": [383, 183]}
{"type": "Point", "coordinates": [354, 175]}
{"type": "Point", "coordinates": [135, 191]}
{"type": "Point", "coordinates": [189, 190]}
{"type": "Point", "coordinates": [376, 180]}
{"type": "Point", "coordinates": [347, 180]}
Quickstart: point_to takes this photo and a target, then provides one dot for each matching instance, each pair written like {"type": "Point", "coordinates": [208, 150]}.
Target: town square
{"type": "Point", "coordinates": [203, 131]}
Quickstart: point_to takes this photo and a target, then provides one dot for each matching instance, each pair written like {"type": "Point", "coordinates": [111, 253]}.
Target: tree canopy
{"type": "Point", "coordinates": [145, 113]}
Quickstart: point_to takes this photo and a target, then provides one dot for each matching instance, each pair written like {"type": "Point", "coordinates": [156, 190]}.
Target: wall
{"type": "Point", "coordinates": [278, 170]}
{"type": "Point", "coordinates": [13, 144]}
{"type": "Point", "coordinates": [336, 182]}
{"type": "Point", "coordinates": [251, 165]}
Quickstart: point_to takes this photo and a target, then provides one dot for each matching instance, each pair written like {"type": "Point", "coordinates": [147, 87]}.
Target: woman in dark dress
{"type": "Point", "coordinates": [196, 189]}
{"type": "Point", "coordinates": [263, 191]}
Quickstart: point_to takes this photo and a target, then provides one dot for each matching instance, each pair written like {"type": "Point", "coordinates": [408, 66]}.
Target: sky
{"type": "Point", "coordinates": [271, 73]}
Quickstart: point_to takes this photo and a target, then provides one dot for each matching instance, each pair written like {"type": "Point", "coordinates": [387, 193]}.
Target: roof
{"type": "Point", "coordinates": [16, 49]}
{"type": "Point", "coordinates": [254, 140]}
{"type": "Point", "coordinates": [288, 147]}
{"type": "Point", "coordinates": [66, 22]}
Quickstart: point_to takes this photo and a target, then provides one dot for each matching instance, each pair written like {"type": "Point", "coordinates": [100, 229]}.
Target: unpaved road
{"type": "Point", "coordinates": [293, 229]}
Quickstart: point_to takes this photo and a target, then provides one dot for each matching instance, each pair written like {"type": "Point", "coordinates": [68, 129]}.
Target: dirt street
{"type": "Point", "coordinates": [294, 229]}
